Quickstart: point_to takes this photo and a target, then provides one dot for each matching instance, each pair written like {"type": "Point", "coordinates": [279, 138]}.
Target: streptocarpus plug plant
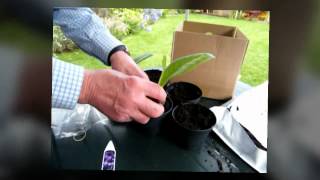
{"type": "Point", "coordinates": [179, 66]}
{"type": "Point", "coordinates": [164, 62]}
{"type": "Point", "coordinates": [182, 65]}
{"type": "Point", "coordinates": [188, 123]}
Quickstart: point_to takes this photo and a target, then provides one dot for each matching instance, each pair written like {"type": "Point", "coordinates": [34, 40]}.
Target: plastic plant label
{"type": "Point", "coordinates": [109, 157]}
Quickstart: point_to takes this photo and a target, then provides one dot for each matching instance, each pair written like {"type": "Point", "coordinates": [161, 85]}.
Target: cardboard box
{"type": "Point", "coordinates": [216, 78]}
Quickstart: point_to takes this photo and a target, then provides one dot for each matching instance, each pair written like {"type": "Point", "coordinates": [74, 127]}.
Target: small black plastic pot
{"type": "Point", "coordinates": [190, 125]}
{"type": "Point", "coordinates": [154, 124]}
{"type": "Point", "coordinates": [154, 74]}
{"type": "Point", "coordinates": [183, 92]}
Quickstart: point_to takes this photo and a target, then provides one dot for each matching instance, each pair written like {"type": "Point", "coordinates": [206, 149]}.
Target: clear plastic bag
{"type": "Point", "coordinates": [75, 123]}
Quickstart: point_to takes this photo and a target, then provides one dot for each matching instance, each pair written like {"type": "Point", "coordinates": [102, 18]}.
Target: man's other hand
{"type": "Point", "coordinates": [122, 62]}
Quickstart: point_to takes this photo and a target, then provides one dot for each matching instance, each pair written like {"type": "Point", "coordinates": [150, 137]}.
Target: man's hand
{"type": "Point", "coordinates": [122, 62]}
{"type": "Point", "coordinates": [122, 97]}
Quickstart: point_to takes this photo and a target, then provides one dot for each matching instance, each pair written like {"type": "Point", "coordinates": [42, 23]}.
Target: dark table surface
{"type": "Point", "coordinates": [138, 151]}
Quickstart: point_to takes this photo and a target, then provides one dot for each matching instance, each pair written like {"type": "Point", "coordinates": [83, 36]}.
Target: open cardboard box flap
{"type": "Point", "coordinates": [216, 78]}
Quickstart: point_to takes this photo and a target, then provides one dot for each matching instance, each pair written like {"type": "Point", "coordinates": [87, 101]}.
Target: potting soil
{"type": "Point", "coordinates": [193, 119]}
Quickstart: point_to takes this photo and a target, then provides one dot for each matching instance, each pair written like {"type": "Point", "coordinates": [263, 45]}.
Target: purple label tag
{"type": "Point", "coordinates": [109, 157]}
{"type": "Point", "coordinates": [108, 160]}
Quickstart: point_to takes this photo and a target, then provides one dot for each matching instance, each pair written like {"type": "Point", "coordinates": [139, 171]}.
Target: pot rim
{"type": "Point", "coordinates": [193, 130]}
{"type": "Point", "coordinates": [171, 104]}
{"type": "Point", "coordinates": [171, 87]}
{"type": "Point", "coordinates": [168, 111]}
{"type": "Point", "coordinates": [153, 68]}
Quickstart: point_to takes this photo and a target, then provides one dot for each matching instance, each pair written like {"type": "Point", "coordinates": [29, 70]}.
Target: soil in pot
{"type": "Point", "coordinates": [191, 124]}
{"type": "Point", "coordinates": [183, 92]}
{"type": "Point", "coordinates": [194, 117]}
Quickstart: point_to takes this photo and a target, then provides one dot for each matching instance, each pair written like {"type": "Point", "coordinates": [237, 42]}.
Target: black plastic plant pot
{"type": "Point", "coordinates": [183, 92]}
{"type": "Point", "coordinates": [154, 124]}
{"type": "Point", "coordinates": [153, 74]}
{"type": "Point", "coordinates": [191, 124]}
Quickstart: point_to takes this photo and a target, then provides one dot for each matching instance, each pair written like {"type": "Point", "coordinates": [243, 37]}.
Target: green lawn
{"type": "Point", "coordinates": [159, 42]}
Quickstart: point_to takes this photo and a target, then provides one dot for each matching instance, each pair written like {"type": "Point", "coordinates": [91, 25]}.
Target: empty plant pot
{"type": "Point", "coordinates": [191, 124]}
{"type": "Point", "coordinates": [153, 74]}
{"type": "Point", "coordinates": [183, 92]}
{"type": "Point", "coordinates": [153, 126]}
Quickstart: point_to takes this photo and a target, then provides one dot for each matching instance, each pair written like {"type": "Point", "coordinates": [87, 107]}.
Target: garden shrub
{"type": "Point", "coordinates": [116, 27]}
{"type": "Point", "coordinates": [60, 42]}
{"type": "Point", "coordinates": [169, 12]}
{"type": "Point", "coordinates": [131, 17]}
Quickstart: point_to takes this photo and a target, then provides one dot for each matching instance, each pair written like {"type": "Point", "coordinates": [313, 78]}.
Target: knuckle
{"type": "Point", "coordinates": [145, 75]}
{"type": "Point", "coordinates": [140, 117]}
{"type": "Point", "coordinates": [123, 118]}
{"type": "Point", "coordinates": [161, 92]}
{"type": "Point", "coordinates": [133, 81]}
{"type": "Point", "coordinates": [161, 111]}
{"type": "Point", "coordinates": [144, 120]}
{"type": "Point", "coordinates": [117, 108]}
{"type": "Point", "coordinates": [156, 111]}
{"type": "Point", "coordinates": [117, 117]}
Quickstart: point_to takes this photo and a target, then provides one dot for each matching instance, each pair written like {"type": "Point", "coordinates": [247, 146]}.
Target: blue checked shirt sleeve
{"type": "Point", "coordinates": [86, 30]}
{"type": "Point", "coordinates": [66, 84]}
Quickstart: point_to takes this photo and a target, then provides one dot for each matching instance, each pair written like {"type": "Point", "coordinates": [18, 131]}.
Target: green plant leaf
{"type": "Point", "coordinates": [164, 62]}
{"type": "Point", "coordinates": [142, 57]}
{"type": "Point", "coordinates": [182, 65]}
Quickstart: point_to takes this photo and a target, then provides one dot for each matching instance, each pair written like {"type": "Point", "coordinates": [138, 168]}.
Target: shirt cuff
{"type": "Point", "coordinates": [105, 43]}
{"type": "Point", "coordinates": [66, 84]}
{"type": "Point", "coordinates": [116, 49]}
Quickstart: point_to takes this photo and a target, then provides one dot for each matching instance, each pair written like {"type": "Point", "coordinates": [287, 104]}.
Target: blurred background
{"type": "Point", "coordinates": [139, 29]}
{"type": "Point", "coordinates": [26, 46]}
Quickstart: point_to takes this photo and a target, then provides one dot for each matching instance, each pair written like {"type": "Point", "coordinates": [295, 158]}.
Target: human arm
{"type": "Point", "coordinates": [87, 30]}
{"type": "Point", "coordinates": [121, 97]}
